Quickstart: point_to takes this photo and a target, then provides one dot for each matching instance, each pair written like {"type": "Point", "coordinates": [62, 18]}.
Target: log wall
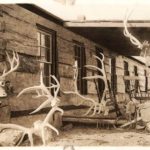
{"type": "Point", "coordinates": [18, 31]}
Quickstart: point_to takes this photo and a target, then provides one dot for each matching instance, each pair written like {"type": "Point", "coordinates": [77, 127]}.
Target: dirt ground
{"type": "Point", "coordinates": [92, 136]}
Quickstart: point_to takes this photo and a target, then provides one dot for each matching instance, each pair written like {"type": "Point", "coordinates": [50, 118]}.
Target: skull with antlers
{"type": "Point", "coordinates": [14, 63]}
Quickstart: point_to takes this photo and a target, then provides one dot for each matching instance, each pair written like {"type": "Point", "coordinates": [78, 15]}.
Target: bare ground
{"type": "Point", "coordinates": [92, 136]}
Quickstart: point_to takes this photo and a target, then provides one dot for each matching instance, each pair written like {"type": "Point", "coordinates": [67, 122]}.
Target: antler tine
{"type": "Point", "coordinates": [14, 63]}
{"type": "Point", "coordinates": [101, 60]}
{"type": "Point", "coordinates": [47, 103]}
{"type": "Point", "coordinates": [42, 87]}
{"type": "Point", "coordinates": [29, 89]}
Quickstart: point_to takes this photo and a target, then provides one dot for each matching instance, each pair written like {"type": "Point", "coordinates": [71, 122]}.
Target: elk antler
{"type": "Point", "coordinates": [76, 92]}
{"type": "Point", "coordinates": [41, 125]}
{"type": "Point", "coordinates": [133, 40]}
{"type": "Point", "coordinates": [14, 63]}
{"type": "Point", "coordinates": [102, 105]}
{"type": "Point", "coordinates": [43, 91]}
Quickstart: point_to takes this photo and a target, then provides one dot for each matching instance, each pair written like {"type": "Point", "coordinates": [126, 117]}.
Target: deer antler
{"type": "Point", "coordinates": [14, 63]}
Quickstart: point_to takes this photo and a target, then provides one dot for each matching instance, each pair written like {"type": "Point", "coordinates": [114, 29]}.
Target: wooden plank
{"type": "Point", "coordinates": [131, 78]}
{"type": "Point", "coordinates": [25, 16]}
{"type": "Point", "coordinates": [17, 26]}
{"type": "Point", "coordinates": [106, 24]}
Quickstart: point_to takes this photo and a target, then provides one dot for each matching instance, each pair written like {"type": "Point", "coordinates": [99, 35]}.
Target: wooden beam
{"type": "Point", "coordinates": [106, 24]}
{"type": "Point", "coordinates": [92, 120]}
{"type": "Point", "coordinates": [131, 78]}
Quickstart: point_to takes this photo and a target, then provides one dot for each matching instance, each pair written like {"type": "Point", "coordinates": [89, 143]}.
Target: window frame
{"type": "Point", "coordinates": [80, 57]}
{"type": "Point", "coordinates": [54, 53]}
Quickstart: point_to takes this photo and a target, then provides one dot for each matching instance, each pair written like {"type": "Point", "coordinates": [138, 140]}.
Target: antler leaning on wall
{"type": "Point", "coordinates": [76, 92]}
{"type": "Point", "coordinates": [43, 91]}
{"type": "Point", "coordinates": [95, 105]}
{"type": "Point", "coordinates": [102, 105]}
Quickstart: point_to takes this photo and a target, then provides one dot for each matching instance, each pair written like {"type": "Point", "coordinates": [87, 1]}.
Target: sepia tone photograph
{"type": "Point", "coordinates": [74, 73]}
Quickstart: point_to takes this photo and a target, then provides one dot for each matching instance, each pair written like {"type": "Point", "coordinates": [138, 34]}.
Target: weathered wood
{"type": "Point", "coordinates": [92, 120]}
{"type": "Point", "coordinates": [28, 64]}
{"type": "Point", "coordinates": [120, 88]}
{"type": "Point", "coordinates": [120, 71]}
{"type": "Point", "coordinates": [65, 71]}
{"type": "Point", "coordinates": [4, 110]}
{"type": "Point", "coordinates": [2, 25]}
{"type": "Point", "coordinates": [132, 78]}
{"type": "Point", "coordinates": [105, 24]}
{"type": "Point", "coordinates": [66, 58]}
{"type": "Point", "coordinates": [120, 79]}
{"type": "Point", "coordinates": [16, 26]}
{"type": "Point", "coordinates": [24, 15]}
{"type": "Point", "coordinates": [131, 122]}
{"type": "Point", "coordinates": [57, 120]}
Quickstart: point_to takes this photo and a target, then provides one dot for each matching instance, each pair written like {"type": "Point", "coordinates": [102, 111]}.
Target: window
{"type": "Point", "coordinates": [136, 85]}
{"type": "Point", "coordinates": [47, 51]}
{"type": "Point", "coordinates": [80, 57]}
{"type": "Point", "coordinates": [101, 84]}
{"type": "Point", "coordinates": [113, 75]}
{"type": "Point", "coordinates": [146, 81]}
{"type": "Point", "coordinates": [126, 73]}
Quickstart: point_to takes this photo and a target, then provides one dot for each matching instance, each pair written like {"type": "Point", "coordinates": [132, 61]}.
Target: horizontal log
{"type": "Point", "coordinates": [131, 78]}
{"type": "Point", "coordinates": [19, 47]}
{"type": "Point", "coordinates": [12, 10]}
{"type": "Point", "coordinates": [66, 71]}
{"type": "Point", "coordinates": [21, 28]}
{"type": "Point", "coordinates": [92, 120]}
{"type": "Point", "coordinates": [28, 64]}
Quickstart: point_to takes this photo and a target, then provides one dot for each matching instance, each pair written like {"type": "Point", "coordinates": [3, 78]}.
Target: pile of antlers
{"type": "Point", "coordinates": [101, 107]}
{"type": "Point", "coordinates": [39, 126]}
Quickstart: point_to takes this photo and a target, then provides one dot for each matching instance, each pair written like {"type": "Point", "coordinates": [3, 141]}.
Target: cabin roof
{"type": "Point", "coordinates": [108, 33]}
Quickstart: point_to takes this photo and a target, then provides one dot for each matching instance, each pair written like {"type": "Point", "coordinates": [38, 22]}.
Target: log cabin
{"type": "Point", "coordinates": [48, 43]}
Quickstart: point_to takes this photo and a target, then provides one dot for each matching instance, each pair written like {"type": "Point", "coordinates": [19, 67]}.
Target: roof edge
{"type": "Point", "coordinates": [42, 12]}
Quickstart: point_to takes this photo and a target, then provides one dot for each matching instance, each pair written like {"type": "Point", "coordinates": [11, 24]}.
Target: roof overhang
{"type": "Point", "coordinates": [110, 34]}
